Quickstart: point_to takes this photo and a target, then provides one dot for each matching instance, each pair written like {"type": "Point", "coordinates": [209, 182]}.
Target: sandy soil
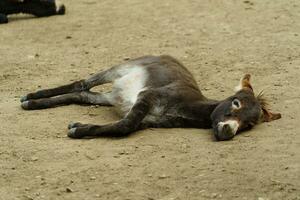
{"type": "Point", "coordinates": [218, 41]}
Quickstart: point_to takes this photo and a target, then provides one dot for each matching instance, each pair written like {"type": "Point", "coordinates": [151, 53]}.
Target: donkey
{"type": "Point", "coordinates": [39, 8]}
{"type": "Point", "coordinates": [159, 92]}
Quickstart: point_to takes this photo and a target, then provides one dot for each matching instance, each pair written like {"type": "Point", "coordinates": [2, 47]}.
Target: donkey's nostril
{"type": "Point", "coordinates": [226, 130]}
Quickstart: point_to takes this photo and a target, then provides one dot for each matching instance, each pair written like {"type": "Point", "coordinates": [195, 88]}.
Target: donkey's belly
{"type": "Point", "coordinates": [126, 89]}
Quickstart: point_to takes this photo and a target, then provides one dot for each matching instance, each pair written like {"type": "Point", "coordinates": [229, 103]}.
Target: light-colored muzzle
{"type": "Point", "coordinates": [226, 130]}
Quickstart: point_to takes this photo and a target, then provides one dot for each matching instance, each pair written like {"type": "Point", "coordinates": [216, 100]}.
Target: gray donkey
{"type": "Point", "coordinates": [156, 91]}
{"type": "Point", "coordinates": [39, 8]}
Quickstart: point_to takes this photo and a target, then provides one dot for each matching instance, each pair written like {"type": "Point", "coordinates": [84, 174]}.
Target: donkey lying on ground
{"type": "Point", "coordinates": [156, 91]}
{"type": "Point", "coordinates": [39, 8]}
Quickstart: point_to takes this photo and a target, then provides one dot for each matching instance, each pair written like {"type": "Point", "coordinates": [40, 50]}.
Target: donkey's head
{"type": "Point", "coordinates": [240, 112]}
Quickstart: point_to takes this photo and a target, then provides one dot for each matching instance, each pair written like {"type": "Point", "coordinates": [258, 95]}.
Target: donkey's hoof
{"type": "Point", "coordinates": [24, 98]}
{"type": "Point", "coordinates": [25, 105]}
{"type": "Point", "coordinates": [72, 133]}
{"type": "Point", "coordinates": [60, 9]}
{"type": "Point", "coordinates": [3, 19]}
{"type": "Point", "coordinates": [71, 125]}
{"type": "Point", "coordinates": [74, 125]}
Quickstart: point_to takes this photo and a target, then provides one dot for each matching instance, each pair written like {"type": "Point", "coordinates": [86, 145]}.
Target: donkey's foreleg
{"type": "Point", "coordinates": [130, 123]}
{"type": "Point", "coordinates": [85, 97]}
{"type": "Point", "coordinates": [78, 86]}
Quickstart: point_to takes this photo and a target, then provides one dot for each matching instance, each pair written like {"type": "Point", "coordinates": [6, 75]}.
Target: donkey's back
{"type": "Point", "coordinates": [162, 75]}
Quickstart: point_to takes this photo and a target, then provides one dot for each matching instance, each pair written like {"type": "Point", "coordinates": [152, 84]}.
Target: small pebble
{"type": "Point", "coordinates": [28, 197]}
{"type": "Point", "coordinates": [69, 190]}
{"type": "Point", "coordinates": [184, 146]}
{"type": "Point", "coordinates": [34, 158]}
{"type": "Point", "coordinates": [30, 56]}
{"type": "Point", "coordinates": [90, 157]}
{"type": "Point", "coordinates": [163, 176]}
{"type": "Point", "coordinates": [261, 198]}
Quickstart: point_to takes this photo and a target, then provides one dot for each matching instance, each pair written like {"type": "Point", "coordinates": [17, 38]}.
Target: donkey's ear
{"type": "Point", "coordinates": [244, 83]}
{"type": "Point", "coordinates": [268, 116]}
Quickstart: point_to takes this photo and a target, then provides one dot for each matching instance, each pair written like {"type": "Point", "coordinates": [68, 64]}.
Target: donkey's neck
{"type": "Point", "coordinates": [201, 111]}
{"type": "Point", "coordinates": [205, 108]}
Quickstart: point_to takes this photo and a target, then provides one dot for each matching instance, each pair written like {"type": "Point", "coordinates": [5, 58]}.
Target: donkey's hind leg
{"type": "Point", "coordinates": [78, 86]}
{"type": "Point", "coordinates": [85, 97]}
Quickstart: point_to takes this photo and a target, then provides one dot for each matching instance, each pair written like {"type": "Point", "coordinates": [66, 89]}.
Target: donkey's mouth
{"type": "Point", "coordinates": [226, 130]}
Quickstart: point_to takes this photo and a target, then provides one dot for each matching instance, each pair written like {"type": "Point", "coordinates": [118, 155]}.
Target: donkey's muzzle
{"type": "Point", "coordinates": [226, 130]}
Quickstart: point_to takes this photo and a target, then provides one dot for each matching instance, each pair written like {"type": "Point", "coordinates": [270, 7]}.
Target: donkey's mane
{"type": "Point", "coordinates": [263, 101]}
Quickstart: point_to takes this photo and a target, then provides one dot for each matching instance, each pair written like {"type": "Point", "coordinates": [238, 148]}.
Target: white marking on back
{"type": "Point", "coordinates": [128, 86]}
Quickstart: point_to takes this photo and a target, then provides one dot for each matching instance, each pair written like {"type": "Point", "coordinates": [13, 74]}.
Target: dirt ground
{"type": "Point", "coordinates": [217, 40]}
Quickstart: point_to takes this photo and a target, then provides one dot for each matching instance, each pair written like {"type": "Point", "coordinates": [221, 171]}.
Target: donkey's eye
{"type": "Point", "coordinates": [236, 104]}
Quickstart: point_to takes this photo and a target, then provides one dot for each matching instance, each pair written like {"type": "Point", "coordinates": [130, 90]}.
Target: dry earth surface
{"type": "Point", "coordinates": [217, 40]}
